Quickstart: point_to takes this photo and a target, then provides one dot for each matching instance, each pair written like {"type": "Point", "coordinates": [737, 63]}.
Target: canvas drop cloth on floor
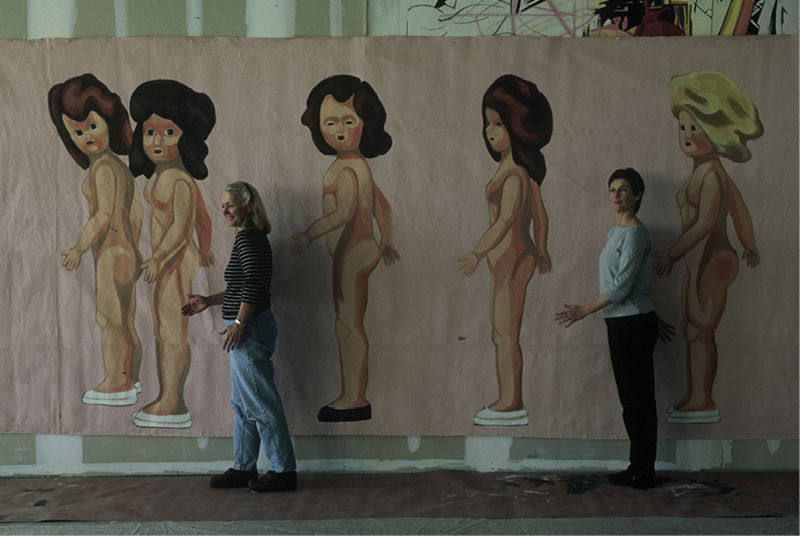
{"type": "Point", "coordinates": [434, 494]}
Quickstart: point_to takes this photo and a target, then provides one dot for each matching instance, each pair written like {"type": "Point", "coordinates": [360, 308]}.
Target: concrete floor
{"type": "Point", "coordinates": [605, 525]}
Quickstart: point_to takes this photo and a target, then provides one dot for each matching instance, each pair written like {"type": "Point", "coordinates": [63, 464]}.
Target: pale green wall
{"type": "Point", "coordinates": [28, 454]}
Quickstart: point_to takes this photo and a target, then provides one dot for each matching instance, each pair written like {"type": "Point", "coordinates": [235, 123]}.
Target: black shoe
{"type": "Point", "coordinates": [329, 414]}
{"type": "Point", "coordinates": [646, 481]}
{"type": "Point", "coordinates": [233, 478]}
{"type": "Point", "coordinates": [623, 478]}
{"type": "Point", "coordinates": [273, 481]}
{"type": "Point", "coordinates": [629, 477]}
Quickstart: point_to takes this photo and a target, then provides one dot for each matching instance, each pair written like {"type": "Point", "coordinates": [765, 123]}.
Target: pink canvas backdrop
{"type": "Point", "coordinates": [431, 356]}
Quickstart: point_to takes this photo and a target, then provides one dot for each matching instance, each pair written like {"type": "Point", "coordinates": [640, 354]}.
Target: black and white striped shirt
{"type": "Point", "coordinates": [248, 274]}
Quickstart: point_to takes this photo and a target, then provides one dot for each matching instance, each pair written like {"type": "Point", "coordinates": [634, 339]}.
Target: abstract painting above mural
{"type": "Point", "coordinates": [571, 18]}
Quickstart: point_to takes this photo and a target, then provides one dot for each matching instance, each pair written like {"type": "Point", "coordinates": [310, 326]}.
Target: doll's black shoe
{"type": "Point", "coordinates": [329, 414]}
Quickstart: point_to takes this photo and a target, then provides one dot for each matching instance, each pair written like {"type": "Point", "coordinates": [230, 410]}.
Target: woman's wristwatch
{"type": "Point", "coordinates": [239, 322]}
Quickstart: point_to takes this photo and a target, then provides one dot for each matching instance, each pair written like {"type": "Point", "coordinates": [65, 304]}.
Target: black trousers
{"type": "Point", "coordinates": [631, 340]}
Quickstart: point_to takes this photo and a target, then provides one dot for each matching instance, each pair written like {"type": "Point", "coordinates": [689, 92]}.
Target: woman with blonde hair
{"type": "Point", "coordinates": [250, 334]}
{"type": "Point", "coordinates": [715, 118]}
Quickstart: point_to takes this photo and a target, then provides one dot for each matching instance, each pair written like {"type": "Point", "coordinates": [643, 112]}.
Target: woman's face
{"type": "Point", "coordinates": [234, 213]}
{"type": "Point", "coordinates": [90, 135]}
{"type": "Point", "coordinates": [693, 140]}
{"type": "Point", "coordinates": [160, 139]}
{"type": "Point", "coordinates": [340, 124]}
{"type": "Point", "coordinates": [496, 132]}
{"type": "Point", "coordinates": [622, 197]}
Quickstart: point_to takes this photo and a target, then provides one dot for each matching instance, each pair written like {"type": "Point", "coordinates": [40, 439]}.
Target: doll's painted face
{"type": "Point", "coordinates": [90, 135]}
{"type": "Point", "coordinates": [496, 132]}
{"type": "Point", "coordinates": [691, 137]}
{"type": "Point", "coordinates": [340, 124]}
{"type": "Point", "coordinates": [160, 139]}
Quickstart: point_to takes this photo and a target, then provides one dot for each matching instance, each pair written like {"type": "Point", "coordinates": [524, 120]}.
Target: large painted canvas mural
{"type": "Point", "coordinates": [433, 202]}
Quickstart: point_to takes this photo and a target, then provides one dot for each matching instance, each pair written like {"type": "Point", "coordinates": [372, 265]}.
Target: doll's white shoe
{"type": "Point", "coordinates": [693, 417]}
{"type": "Point", "coordinates": [490, 417]}
{"type": "Point", "coordinates": [148, 420]}
{"type": "Point", "coordinates": [119, 398]}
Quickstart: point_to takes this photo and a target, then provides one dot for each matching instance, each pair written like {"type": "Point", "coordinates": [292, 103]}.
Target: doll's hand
{"type": "Point", "coordinates": [72, 258]}
{"type": "Point", "coordinates": [469, 262]}
{"type": "Point", "coordinates": [662, 264]}
{"type": "Point", "coordinates": [750, 256]}
{"type": "Point", "coordinates": [150, 269]}
{"type": "Point", "coordinates": [544, 262]}
{"type": "Point", "coordinates": [301, 243]}
{"type": "Point", "coordinates": [389, 254]}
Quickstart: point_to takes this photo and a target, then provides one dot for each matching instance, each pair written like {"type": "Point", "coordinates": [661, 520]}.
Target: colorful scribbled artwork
{"type": "Point", "coordinates": [571, 18]}
{"type": "Point", "coordinates": [346, 120]}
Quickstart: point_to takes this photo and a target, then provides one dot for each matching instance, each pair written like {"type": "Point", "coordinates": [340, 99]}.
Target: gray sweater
{"type": "Point", "coordinates": [624, 269]}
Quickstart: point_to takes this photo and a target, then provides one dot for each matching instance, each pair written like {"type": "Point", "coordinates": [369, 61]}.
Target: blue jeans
{"type": "Point", "coordinates": [258, 410]}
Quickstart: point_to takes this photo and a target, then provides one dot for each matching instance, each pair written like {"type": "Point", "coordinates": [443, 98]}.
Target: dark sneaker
{"type": "Point", "coordinates": [233, 478]}
{"type": "Point", "coordinates": [273, 481]}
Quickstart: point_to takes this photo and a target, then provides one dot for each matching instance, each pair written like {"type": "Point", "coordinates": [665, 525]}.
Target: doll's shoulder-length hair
{"type": "Point", "coordinates": [76, 98]}
{"type": "Point", "coordinates": [194, 114]}
{"type": "Point", "coordinates": [527, 116]}
{"type": "Point", "coordinates": [375, 141]}
{"type": "Point", "coordinates": [724, 112]}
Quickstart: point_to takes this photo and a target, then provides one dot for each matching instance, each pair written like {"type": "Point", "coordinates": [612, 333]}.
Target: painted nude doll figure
{"type": "Point", "coordinates": [517, 123]}
{"type": "Point", "coordinates": [715, 119]}
{"type": "Point", "coordinates": [93, 124]}
{"type": "Point", "coordinates": [346, 119]}
{"type": "Point", "coordinates": [172, 123]}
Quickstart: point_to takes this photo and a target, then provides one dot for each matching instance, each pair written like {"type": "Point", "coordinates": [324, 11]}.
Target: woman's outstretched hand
{"type": "Point", "coordinates": [196, 304]}
{"type": "Point", "coordinates": [570, 315]}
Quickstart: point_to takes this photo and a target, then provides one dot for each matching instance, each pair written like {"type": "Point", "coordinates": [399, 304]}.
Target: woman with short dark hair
{"type": "Point", "coordinates": [631, 323]}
